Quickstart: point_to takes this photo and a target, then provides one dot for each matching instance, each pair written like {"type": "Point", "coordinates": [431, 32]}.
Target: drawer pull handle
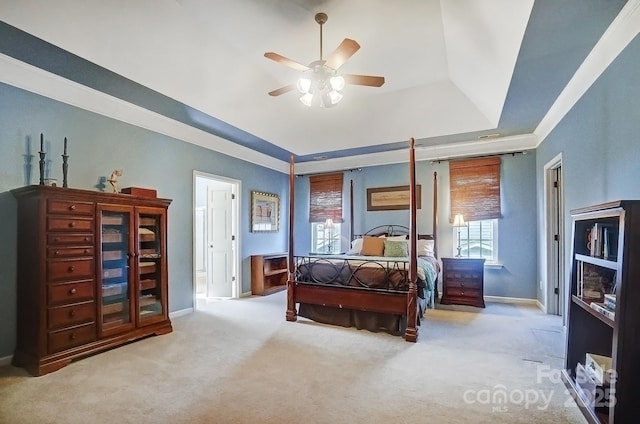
{"type": "Point", "coordinates": [72, 224]}
{"type": "Point", "coordinates": [72, 291]}
{"type": "Point", "coordinates": [57, 252]}
{"type": "Point", "coordinates": [86, 239]}
{"type": "Point", "coordinates": [72, 313]}
{"type": "Point", "coordinates": [72, 207]}
{"type": "Point", "coordinates": [72, 268]}
{"type": "Point", "coordinates": [86, 251]}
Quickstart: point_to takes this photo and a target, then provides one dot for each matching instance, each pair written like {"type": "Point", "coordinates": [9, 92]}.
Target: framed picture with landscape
{"type": "Point", "coordinates": [391, 198]}
{"type": "Point", "coordinates": [265, 212]}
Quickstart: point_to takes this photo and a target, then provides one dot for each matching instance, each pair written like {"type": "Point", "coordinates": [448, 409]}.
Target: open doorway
{"type": "Point", "coordinates": [215, 237]}
{"type": "Point", "coordinates": [554, 235]}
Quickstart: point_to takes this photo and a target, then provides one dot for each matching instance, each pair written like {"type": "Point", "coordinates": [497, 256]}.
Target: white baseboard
{"type": "Point", "coordinates": [181, 312]}
{"type": "Point", "coordinates": [518, 300]}
{"type": "Point", "coordinates": [6, 360]}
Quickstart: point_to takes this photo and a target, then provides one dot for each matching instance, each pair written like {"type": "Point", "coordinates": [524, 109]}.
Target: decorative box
{"type": "Point", "coordinates": [142, 192]}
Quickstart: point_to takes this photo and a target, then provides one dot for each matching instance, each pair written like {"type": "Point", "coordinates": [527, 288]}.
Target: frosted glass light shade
{"type": "Point", "coordinates": [303, 85]}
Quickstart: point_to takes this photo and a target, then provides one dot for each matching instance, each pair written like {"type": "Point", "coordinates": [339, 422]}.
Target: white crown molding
{"type": "Point", "coordinates": [424, 153]}
{"type": "Point", "coordinates": [39, 81]}
{"type": "Point", "coordinates": [619, 34]}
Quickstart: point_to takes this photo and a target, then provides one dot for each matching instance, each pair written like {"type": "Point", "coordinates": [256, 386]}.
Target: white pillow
{"type": "Point", "coordinates": [397, 238]}
{"type": "Point", "coordinates": [356, 247]}
{"type": "Point", "coordinates": [426, 247]}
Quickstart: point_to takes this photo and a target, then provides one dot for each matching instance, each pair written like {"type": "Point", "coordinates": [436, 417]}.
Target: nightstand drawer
{"type": "Point", "coordinates": [462, 292]}
{"type": "Point", "coordinates": [464, 283]}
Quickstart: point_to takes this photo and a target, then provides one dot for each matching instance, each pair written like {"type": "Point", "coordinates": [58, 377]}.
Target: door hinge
{"type": "Point", "coordinates": [233, 238]}
{"type": "Point", "coordinates": [233, 196]}
{"type": "Point", "coordinates": [555, 290]}
{"type": "Point", "coordinates": [555, 237]}
{"type": "Point", "coordinates": [555, 184]}
{"type": "Point", "coordinates": [233, 278]}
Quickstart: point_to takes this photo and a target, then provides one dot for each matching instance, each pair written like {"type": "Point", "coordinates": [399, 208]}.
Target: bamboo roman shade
{"type": "Point", "coordinates": [325, 197]}
{"type": "Point", "coordinates": [475, 188]}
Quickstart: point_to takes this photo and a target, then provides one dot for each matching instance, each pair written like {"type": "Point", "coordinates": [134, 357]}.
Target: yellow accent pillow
{"type": "Point", "coordinates": [372, 246]}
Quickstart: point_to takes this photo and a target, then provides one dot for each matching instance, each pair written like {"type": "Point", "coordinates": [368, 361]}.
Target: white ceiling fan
{"type": "Point", "coordinates": [321, 83]}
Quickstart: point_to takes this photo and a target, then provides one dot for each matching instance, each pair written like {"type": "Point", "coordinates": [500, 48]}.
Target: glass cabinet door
{"type": "Point", "coordinates": [115, 302]}
{"type": "Point", "coordinates": [150, 265]}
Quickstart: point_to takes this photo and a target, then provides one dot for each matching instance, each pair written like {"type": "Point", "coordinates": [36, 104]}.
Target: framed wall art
{"type": "Point", "coordinates": [391, 198]}
{"type": "Point", "coordinates": [265, 212]}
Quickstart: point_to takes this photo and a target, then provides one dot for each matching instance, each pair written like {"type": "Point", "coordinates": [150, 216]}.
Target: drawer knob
{"type": "Point", "coordinates": [72, 268]}
{"type": "Point", "coordinates": [72, 313]}
{"type": "Point", "coordinates": [86, 239]}
{"type": "Point", "coordinates": [72, 336]}
{"type": "Point", "coordinates": [86, 251]}
{"type": "Point", "coordinates": [72, 291]}
{"type": "Point", "coordinates": [57, 252]}
{"type": "Point", "coordinates": [72, 207]}
{"type": "Point", "coordinates": [72, 224]}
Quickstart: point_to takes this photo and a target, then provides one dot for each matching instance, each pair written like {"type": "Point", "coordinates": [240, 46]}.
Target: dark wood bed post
{"type": "Point", "coordinates": [411, 333]}
{"type": "Point", "coordinates": [351, 229]}
{"type": "Point", "coordinates": [291, 315]}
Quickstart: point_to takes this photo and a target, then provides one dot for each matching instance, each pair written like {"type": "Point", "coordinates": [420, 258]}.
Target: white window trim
{"type": "Point", "coordinates": [492, 264]}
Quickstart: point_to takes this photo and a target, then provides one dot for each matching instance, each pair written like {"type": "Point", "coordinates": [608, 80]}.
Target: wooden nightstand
{"type": "Point", "coordinates": [463, 282]}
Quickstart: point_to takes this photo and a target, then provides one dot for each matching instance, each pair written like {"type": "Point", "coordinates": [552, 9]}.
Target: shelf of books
{"type": "Point", "coordinates": [149, 267]}
{"type": "Point", "coordinates": [115, 291]}
{"type": "Point", "coordinates": [600, 370]}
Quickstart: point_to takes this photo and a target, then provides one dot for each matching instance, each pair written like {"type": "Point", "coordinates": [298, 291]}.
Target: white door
{"type": "Point", "coordinates": [220, 238]}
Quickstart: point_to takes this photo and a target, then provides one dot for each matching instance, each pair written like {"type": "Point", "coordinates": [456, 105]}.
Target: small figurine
{"type": "Point", "coordinates": [113, 180]}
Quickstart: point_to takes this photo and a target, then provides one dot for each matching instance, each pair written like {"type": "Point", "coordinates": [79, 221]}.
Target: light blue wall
{"type": "Point", "coordinates": [517, 228]}
{"type": "Point", "coordinates": [599, 139]}
{"type": "Point", "coordinates": [97, 145]}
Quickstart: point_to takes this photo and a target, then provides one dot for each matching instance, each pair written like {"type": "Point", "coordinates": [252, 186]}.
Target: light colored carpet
{"type": "Point", "coordinates": [239, 361]}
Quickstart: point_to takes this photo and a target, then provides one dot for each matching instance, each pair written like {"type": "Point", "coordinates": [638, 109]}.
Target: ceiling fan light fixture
{"type": "Point", "coordinates": [337, 82]}
{"type": "Point", "coordinates": [303, 85]}
{"type": "Point", "coordinates": [306, 99]}
{"type": "Point", "coordinates": [335, 97]}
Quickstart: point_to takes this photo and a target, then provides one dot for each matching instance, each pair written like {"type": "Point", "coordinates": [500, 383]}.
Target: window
{"type": "Point", "coordinates": [325, 203]}
{"type": "Point", "coordinates": [478, 239]}
{"type": "Point", "coordinates": [325, 240]}
{"type": "Point", "coordinates": [475, 194]}
{"type": "Point", "coordinates": [475, 188]}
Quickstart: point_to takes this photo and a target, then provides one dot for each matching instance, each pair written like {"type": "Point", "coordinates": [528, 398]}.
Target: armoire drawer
{"type": "Point", "coordinates": [65, 316]}
{"type": "Point", "coordinates": [70, 269]}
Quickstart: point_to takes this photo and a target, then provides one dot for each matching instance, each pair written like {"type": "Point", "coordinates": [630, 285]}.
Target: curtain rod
{"type": "Point", "coordinates": [329, 173]}
{"type": "Point", "coordinates": [520, 152]}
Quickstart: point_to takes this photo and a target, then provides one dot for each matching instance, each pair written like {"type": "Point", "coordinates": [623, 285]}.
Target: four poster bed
{"type": "Point", "coordinates": [384, 283]}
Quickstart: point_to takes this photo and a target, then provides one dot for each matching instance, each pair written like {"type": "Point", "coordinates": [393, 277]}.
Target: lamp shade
{"type": "Point", "coordinates": [458, 221]}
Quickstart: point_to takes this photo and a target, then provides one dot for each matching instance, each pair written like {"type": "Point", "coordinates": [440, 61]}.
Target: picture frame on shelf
{"type": "Point", "coordinates": [265, 212]}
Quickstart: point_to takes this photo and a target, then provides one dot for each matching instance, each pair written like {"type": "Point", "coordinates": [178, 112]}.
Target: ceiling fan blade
{"type": "Point", "coordinates": [282, 90]}
{"type": "Point", "coordinates": [285, 61]}
{"type": "Point", "coordinates": [345, 50]}
{"type": "Point", "coordinates": [368, 80]}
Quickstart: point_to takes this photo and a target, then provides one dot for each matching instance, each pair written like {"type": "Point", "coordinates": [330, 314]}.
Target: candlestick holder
{"type": "Point", "coordinates": [42, 155]}
{"type": "Point", "coordinates": [65, 168]}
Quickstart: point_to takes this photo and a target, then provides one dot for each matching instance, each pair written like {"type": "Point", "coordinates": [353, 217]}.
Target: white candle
{"type": "Point", "coordinates": [65, 145]}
